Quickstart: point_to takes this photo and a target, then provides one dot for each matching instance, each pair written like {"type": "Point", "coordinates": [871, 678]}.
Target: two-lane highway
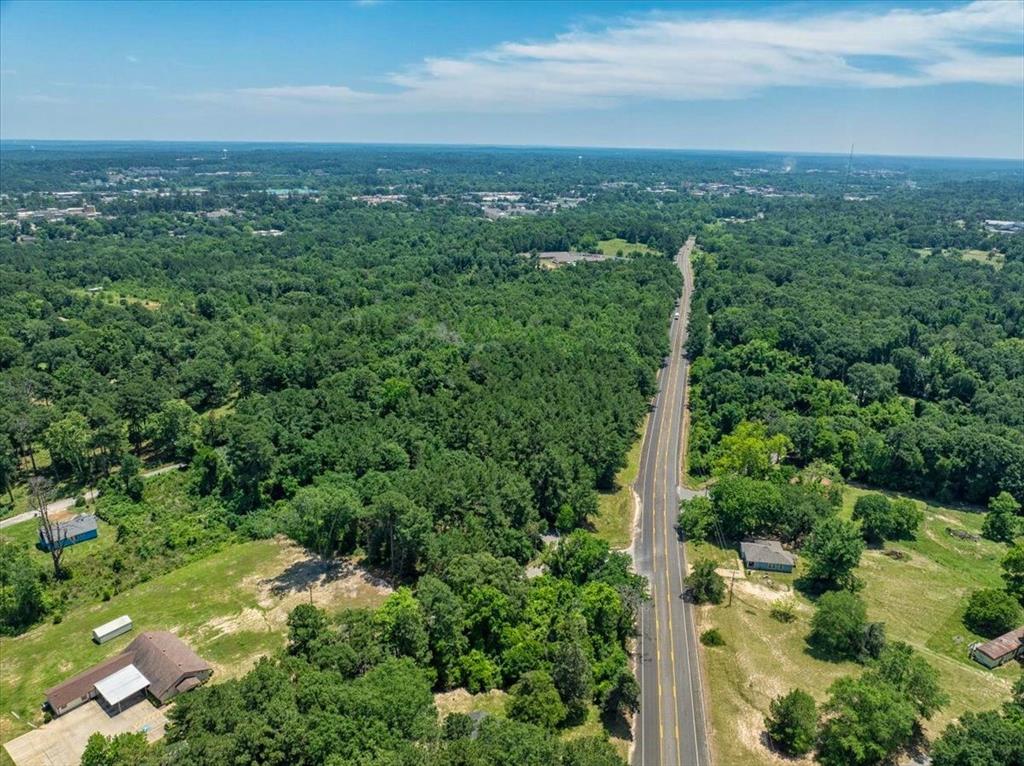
{"type": "Point", "coordinates": [670, 730]}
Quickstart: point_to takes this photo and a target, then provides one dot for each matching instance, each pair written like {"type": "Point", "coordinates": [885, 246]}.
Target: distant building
{"type": "Point", "coordinates": [156, 664]}
{"type": "Point", "coordinates": [767, 555]}
{"type": "Point", "coordinates": [79, 529]}
{"type": "Point", "coordinates": [999, 651]}
{"type": "Point", "coordinates": [559, 258]}
{"type": "Point", "coordinates": [1004, 227]}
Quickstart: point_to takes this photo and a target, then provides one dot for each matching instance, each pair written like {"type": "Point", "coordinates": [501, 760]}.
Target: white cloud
{"type": "Point", "coordinates": [679, 58]}
{"type": "Point", "coordinates": [132, 59]}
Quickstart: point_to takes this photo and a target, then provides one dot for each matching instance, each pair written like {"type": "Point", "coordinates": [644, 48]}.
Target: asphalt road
{"type": "Point", "coordinates": [670, 730]}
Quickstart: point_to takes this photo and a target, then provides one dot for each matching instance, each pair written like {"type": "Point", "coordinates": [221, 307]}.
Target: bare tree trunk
{"type": "Point", "coordinates": [38, 491]}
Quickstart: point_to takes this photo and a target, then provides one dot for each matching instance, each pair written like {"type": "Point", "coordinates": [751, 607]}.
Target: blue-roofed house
{"type": "Point", "coordinates": [71, 532]}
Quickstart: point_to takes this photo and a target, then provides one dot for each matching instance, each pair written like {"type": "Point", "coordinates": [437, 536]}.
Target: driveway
{"type": "Point", "coordinates": [62, 741]}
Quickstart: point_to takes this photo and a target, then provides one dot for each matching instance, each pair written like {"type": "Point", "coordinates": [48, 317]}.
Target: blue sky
{"type": "Point", "coordinates": [921, 78]}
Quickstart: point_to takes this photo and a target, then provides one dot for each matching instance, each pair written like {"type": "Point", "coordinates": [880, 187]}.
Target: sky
{"type": "Point", "coordinates": [914, 78]}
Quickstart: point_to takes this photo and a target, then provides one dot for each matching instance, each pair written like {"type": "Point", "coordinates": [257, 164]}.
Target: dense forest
{"type": "Point", "coordinates": [359, 349]}
{"type": "Point", "coordinates": [849, 332]}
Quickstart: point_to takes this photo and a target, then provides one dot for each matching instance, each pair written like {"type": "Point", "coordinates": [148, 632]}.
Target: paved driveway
{"type": "Point", "coordinates": [62, 741]}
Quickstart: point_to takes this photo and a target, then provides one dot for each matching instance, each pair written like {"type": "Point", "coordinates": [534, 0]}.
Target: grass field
{"type": "Point", "coordinates": [990, 258]}
{"type": "Point", "coordinates": [613, 247]}
{"type": "Point", "coordinates": [125, 293]}
{"type": "Point", "coordinates": [920, 599]}
{"type": "Point", "coordinates": [230, 607]}
{"type": "Point", "coordinates": [614, 521]}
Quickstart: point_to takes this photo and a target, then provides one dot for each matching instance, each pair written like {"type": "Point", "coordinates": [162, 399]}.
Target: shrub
{"type": "Point", "coordinates": [712, 637]}
{"type": "Point", "coordinates": [784, 610]}
{"type": "Point", "coordinates": [706, 585]}
{"type": "Point", "coordinates": [991, 612]}
{"type": "Point", "coordinates": [792, 722]}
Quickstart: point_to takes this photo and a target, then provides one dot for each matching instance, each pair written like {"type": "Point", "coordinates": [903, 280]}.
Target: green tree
{"type": "Point", "coordinates": [1004, 502]}
{"type": "Point", "coordinates": [69, 440]}
{"type": "Point", "coordinates": [578, 557]}
{"type": "Point", "coordinates": [325, 518]}
{"type": "Point", "coordinates": [307, 626]}
{"type": "Point", "coordinates": [137, 399]}
{"type": "Point", "coordinates": [1013, 571]}
{"type": "Point", "coordinates": [8, 469]}
{"type": "Point", "coordinates": [866, 722]}
{"type": "Point", "coordinates": [622, 697]}
{"type": "Point", "coordinates": [22, 602]}
{"type": "Point", "coordinates": [833, 551]}
{"type": "Point", "coordinates": [882, 519]}
{"type": "Point", "coordinates": [705, 584]}
{"type": "Point", "coordinates": [127, 749]}
{"type": "Point", "coordinates": [750, 451]}
{"type": "Point", "coordinates": [909, 672]}
{"type": "Point", "coordinates": [991, 612]}
{"type": "Point", "coordinates": [446, 625]}
{"type": "Point", "coordinates": [873, 511]}
{"type": "Point", "coordinates": [534, 699]}
{"type": "Point", "coordinates": [131, 477]}
{"type": "Point", "coordinates": [402, 626]}
{"type": "Point", "coordinates": [174, 429]}
{"type": "Point", "coordinates": [696, 519]}
{"type": "Point", "coordinates": [837, 627]}
{"type": "Point", "coordinates": [980, 739]}
{"type": "Point", "coordinates": [872, 382]}
{"type": "Point", "coordinates": [477, 671]}
{"type": "Point", "coordinates": [1001, 522]}
{"type": "Point", "coordinates": [792, 722]}
{"type": "Point", "coordinates": [573, 678]}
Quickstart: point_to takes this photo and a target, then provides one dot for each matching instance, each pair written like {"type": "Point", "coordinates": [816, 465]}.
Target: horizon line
{"type": "Point", "coordinates": [419, 144]}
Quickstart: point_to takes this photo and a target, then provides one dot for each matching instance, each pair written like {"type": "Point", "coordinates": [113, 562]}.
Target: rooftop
{"type": "Point", "coordinates": [767, 552]}
{"type": "Point", "coordinates": [1003, 645]}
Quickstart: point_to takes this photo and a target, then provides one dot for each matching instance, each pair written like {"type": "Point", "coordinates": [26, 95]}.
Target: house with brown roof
{"type": "Point", "coordinates": [999, 651]}
{"type": "Point", "coordinates": [157, 664]}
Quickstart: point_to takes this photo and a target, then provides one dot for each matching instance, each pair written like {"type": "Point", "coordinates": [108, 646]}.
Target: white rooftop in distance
{"type": "Point", "coordinates": [122, 684]}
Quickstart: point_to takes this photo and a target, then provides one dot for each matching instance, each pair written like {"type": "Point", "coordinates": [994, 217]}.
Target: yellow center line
{"type": "Point", "coordinates": [665, 446]}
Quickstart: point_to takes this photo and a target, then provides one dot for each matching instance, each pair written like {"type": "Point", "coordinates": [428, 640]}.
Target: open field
{"type": "Point", "coordinates": [126, 293]}
{"type": "Point", "coordinates": [619, 246]}
{"type": "Point", "coordinates": [614, 521]}
{"type": "Point", "coordinates": [920, 599]}
{"type": "Point", "coordinates": [231, 608]}
{"type": "Point", "coordinates": [992, 258]}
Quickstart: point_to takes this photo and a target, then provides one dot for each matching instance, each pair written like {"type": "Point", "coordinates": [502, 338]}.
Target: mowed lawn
{"type": "Point", "coordinates": [230, 607]}
{"type": "Point", "coordinates": [920, 598]}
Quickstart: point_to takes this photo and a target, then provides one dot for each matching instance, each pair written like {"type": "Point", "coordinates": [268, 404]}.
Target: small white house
{"type": "Point", "coordinates": [112, 629]}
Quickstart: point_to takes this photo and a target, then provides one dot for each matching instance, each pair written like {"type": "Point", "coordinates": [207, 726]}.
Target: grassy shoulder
{"type": "Point", "coordinates": [231, 608]}
{"type": "Point", "coordinates": [493, 703]}
{"type": "Point", "coordinates": [920, 597]}
{"type": "Point", "coordinates": [614, 520]}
